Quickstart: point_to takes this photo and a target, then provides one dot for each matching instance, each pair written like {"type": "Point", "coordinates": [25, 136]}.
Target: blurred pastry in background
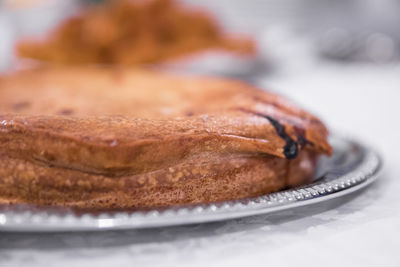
{"type": "Point", "coordinates": [131, 33]}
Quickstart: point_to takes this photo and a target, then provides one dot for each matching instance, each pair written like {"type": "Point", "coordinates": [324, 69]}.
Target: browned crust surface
{"type": "Point", "coordinates": [228, 178]}
{"type": "Point", "coordinates": [106, 138]}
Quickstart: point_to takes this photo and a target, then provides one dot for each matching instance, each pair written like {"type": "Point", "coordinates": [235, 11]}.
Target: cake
{"type": "Point", "coordinates": [97, 138]}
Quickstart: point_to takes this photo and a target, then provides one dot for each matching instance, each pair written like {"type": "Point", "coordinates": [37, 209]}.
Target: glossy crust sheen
{"type": "Point", "coordinates": [96, 138]}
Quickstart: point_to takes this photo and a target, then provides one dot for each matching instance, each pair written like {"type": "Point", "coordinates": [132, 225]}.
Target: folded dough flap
{"type": "Point", "coordinates": [117, 145]}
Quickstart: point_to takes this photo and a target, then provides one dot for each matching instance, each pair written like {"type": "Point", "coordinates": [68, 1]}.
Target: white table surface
{"type": "Point", "coordinates": [362, 229]}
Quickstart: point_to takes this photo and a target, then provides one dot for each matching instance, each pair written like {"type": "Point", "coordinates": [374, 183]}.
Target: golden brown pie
{"type": "Point", "coordinates": [98, 138]}
{"type": "Point", "coordinates": [132, 33]}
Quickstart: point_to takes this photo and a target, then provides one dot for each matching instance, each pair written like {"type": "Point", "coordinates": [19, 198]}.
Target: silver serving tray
{"type": "Point", "coordinates": [352, 167]}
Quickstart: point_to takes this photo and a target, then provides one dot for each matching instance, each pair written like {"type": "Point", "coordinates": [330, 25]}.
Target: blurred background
{"type": "Point", "coordinates": [339, 59]}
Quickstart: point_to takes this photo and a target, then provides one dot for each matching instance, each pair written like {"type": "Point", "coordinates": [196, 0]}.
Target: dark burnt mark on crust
{"type": "Point", "coordinates": [302, 141]}
{"type": "Point", "coordinates": [290, 150]}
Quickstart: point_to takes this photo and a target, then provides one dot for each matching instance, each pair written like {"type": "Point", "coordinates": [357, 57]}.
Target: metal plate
{"type": "Point", "coordinates": [352, 167]}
